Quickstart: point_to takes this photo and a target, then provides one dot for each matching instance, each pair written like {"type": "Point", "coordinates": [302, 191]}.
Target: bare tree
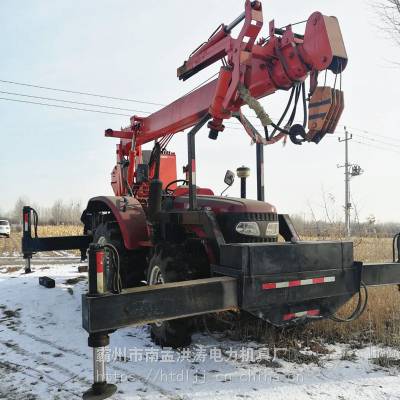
{"type": "Point", "coordinates": [389, 11]}
{"type": "Point", "coordinates": [57, 212]}
{"type": "Point", "coordinates": [16, 213]}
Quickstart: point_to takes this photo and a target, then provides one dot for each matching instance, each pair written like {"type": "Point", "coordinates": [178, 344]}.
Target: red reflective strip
{"type": "Point", "coordinates": [286, 317]}
{"type": "Point", "coordinates": [311, 281]}
{"type": "Point", "coordinates": [267, 286]}
{"type": "Point", "coordinates": [26, 222]}
{"type": "Point", "coordinates": [308, 313]}
{"type": "Point", "coordinates": [99, 262]}
{"type": "Point", "coordinates": [193, 165]}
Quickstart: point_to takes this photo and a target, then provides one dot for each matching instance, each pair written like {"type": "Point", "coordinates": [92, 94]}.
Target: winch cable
{"type": "Point", "coordinates": [360, 308]}
{"type": "Point", "coordinates": [114, 263]}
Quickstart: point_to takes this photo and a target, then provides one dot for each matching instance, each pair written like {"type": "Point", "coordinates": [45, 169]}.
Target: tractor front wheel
{"type": "Point", "coordinates": [169, 264]}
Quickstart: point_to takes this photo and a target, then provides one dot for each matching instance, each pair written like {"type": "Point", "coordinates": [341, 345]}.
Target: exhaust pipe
{"type": "Point", "coordinates": [243, 173]}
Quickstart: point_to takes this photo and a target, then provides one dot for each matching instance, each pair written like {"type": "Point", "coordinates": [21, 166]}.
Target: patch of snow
{"type": "Point", "coordinates": [44, 353]}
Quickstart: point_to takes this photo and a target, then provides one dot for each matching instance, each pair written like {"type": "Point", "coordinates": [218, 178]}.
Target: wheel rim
{"type": "Point", "coordinates": [102, 241]}
{"type": "Point", "coordinates": [156, 278]}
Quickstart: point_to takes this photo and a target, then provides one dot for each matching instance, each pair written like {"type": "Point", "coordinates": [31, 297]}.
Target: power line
{"type": "Point", "coordinates": [73, 102]}
{"type": "Point", "coordinates": [81, 93]}
{"type": "Point", "coordinates": [97, 95]}
{"type": "Point", "coordinates": [376, 147]}
{"type": "Point", "coordinates": [374, 135]}
{"type": "Point", "coordinates": [377, 140]}
{"type": "Point", "coordinates": [127, 115]}
{"type": "Point", "coordinates": [64, 107]}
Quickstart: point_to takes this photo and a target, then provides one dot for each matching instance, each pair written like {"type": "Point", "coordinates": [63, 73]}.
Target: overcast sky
{"type": "Point", "coordinates": [131, 49]}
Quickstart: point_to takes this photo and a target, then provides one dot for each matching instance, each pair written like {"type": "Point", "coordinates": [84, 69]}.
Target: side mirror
{"type": "Point", "coordinates": [142, 173]}
{"type": "Point", "coordinates": [229, 178]}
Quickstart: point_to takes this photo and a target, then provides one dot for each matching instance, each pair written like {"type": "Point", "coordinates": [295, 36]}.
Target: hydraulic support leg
{"type": "Point", "coordinates": [32, 245]}
{"type": "Point", "coordinates": [98, 341]}
{"type": "Point", "coordinates": [28, 269]}
{"type": "Point", "coordinates": [100, 388]}
{"type": "Point", "coordinates": [26, 226]}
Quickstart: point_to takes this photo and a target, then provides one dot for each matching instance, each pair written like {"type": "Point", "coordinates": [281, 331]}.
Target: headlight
{"type": "Point", "coordinates": [248, 228]}
{"type": "Point", "coordinates": [272, 229]}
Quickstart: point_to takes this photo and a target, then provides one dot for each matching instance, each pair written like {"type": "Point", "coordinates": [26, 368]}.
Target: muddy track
{"type": "Point", "coordinates": [33, 373]}
{"type": "Point", "coordinates": [38, 260]}
{"type": "Point", "coordinates": [44, 361]}
{"type": "Point", "coordinates": [144, 380]}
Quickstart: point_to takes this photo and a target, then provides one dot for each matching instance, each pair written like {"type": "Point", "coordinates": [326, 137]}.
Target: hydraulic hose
{"type": "Point", "coordinates": [360, 308]}
{"type": "Point", "coordinates": [114, 262]}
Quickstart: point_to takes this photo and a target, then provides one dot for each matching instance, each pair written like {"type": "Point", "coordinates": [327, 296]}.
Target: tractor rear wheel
{"type": "Point", "coordinates": [131, 262]}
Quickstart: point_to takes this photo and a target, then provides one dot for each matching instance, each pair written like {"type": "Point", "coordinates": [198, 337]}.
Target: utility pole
{"type": "Point", "coordinates": [347, 204]}
{"type": "Point", "coordinates": [351, 170]}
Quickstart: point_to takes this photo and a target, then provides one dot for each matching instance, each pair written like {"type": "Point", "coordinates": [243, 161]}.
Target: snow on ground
{"type": "Point", "coordinates": [44, 354]}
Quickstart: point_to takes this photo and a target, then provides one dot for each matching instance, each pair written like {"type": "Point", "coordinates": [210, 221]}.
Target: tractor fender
{"type": "Point", "coordinates": [128, 213]}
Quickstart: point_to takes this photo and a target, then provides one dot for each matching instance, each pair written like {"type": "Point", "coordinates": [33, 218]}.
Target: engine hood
{"type": "Point", "coordinates": [220, 204]}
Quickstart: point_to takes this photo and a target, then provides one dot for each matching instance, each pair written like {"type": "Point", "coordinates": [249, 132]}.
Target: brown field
{"type": "Point", "coordinates": [380, 322]}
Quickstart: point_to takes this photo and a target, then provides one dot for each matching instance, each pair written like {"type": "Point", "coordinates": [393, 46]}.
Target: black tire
{"type": "Point", "coordinates": [171, 264]}
{"type": "Point", "coordinates": [132, 264]}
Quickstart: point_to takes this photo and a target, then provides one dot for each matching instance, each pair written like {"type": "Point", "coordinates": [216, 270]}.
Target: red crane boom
{"type": "Point", "coordinates": [250, 71]}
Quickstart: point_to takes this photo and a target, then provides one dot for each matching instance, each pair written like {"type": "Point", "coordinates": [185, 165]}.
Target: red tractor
{"type": "Point", "coordinates": [166, 229]}
{"type": "Point", "coordinates": [200, 252]}
{"type": "Point", "coordinates": [146, 219]}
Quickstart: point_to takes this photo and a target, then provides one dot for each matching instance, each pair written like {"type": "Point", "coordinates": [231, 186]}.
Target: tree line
{"type": "Point", "coordinates": [59, 213]}
{"type": "Point", "coordinates": [69, 213]}
{"type": "Point", "coordinates": [334, 228]}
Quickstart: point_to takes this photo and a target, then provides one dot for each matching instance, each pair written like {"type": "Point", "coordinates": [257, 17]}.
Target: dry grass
{"type": "Point", "coordinates": [368, 249]}
{"type": "Point", "coordinates": [60, 230]}
{"type": "Point", "coordinates": [380, 322]}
